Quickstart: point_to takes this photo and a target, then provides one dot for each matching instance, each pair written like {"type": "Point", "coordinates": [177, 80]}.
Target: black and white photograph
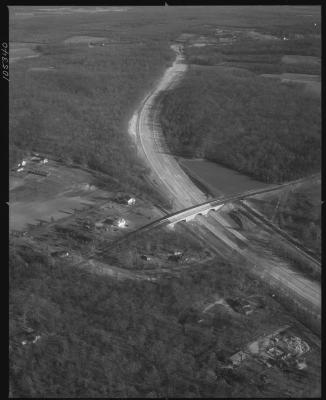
{"type": "Point", "coordinates": [165, 200]}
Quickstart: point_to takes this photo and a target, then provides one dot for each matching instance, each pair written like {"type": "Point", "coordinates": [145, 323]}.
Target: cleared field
{"type": "Point", "coordinates": [19, 50]}
{"type": "Point", "coordinates": [260, 36]}
{"type": "Point", "coordinates": [34, 197]}
{"type": "Point", "coordinates": [84, 39]}
{"type": "Point", "coordinates": [37, 69]}
{"type": "Point", "coordinates": [39, 12]}
{"type": "Point", "coordinates": [63, 191]}
{"type": "Point", "coordinates": [220, 180]}
{"type": "Point", "coordinates": [298, 59]}
{"type": "Point", "coordinates": [23, 213]}
{"type": "Point", "coordinates": [312, 83]}
{"type": "Point", "coordinates": [294, 77]}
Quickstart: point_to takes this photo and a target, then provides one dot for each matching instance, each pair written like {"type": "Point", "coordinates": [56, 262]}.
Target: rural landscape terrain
{"type": "Point", "coordinates": [165, 201]}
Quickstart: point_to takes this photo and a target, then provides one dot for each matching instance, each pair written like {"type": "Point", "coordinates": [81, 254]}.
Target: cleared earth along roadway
{"type": "Point", "coordinates": [182, 192]}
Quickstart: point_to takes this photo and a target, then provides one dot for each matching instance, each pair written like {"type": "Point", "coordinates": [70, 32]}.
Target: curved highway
{"type": "Point", "coordinates": [166, 172]}
{"type": "Point", "coordinates": [183, 193]}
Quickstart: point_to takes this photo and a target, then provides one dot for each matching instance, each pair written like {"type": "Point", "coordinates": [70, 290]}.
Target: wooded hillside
{"type": "Point", "coordinates": [266, 129]}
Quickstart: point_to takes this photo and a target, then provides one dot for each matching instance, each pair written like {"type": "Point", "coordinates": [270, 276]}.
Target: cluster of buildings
{"type": "Point", "coordinates": [281, 349]}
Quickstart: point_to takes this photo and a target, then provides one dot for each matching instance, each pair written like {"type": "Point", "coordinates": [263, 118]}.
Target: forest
{"type": "Point", "coordinates": [263, 128]}
{"type": "Point", "coordinates": [298, 212]}
{"type": "Point", "coordinates": [79, 111]}
{"type": "Point", "coordinates": [100, 337]}
{"type": "Point", "coordinates": [301, 215]}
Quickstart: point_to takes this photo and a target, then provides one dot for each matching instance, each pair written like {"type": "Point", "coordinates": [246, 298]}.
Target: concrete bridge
{"type": "Point", "coordinates": [189, 214]}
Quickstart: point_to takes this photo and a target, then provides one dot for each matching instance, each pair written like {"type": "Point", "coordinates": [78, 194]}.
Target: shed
{"type": "Point", "coordinates": [131, 201]}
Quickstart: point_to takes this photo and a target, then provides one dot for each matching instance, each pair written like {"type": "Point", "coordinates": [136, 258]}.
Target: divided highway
{"type": "Point", "coordinates": [172, 180]}
{"type": "Point", "coordinates": [166, 172]}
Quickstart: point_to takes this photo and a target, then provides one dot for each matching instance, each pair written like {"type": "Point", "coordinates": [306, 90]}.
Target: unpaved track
{"type": "Point", "coordinates": [183, 193]}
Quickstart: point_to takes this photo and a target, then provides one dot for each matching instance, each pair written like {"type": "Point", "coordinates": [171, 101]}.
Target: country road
{"type": "Point", "coordinates": [183, 193]}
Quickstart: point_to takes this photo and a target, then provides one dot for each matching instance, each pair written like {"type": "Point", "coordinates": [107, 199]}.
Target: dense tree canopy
{"type": "Point", "coordinates": [251, 124]}
{"type": "Point", "coordinates": [80, 110]}
{"type": "Point", "coordinates": [105, 338]}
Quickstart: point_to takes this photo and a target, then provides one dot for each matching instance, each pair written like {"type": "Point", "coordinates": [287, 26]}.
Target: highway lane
{"type": "Point", "coordinates": [166, 171]}
{"type": "Point", "coordinates": [270, 265]}
{"type": "Point", "coordinates": [184, 194]}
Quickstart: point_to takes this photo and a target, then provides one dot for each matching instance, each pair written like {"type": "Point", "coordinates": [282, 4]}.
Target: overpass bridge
{"type": "Point", "coordinates": [203, 209]}
{"type": "Point", "coordinates": [297, 291]}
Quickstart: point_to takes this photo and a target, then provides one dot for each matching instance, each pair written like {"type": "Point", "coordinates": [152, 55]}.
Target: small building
{"type": "Point", "coordinates": [237, 358]}
{"type": "Point", "coordinates": [121, 223]}
{"type": "Point", "coordinates": [131, 201]}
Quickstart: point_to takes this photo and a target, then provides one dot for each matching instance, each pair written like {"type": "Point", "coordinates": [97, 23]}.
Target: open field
{"type": "Point", "coordinates": [84, 39]}
{"type": "Point", "coordinates": [219, 180]}
{"type": "Point", "coordinates": [43, 194]}
{"type": "Point", "coordinates": [53, 11]}
{"type": "Point", "coordinates": [297, 59]}
{"type": "Point", "coordinates": [311, 83]}
{"type": "Point", "coordinates": [36, 197]}
{"type": "Point", "coordinates": [18, 51]}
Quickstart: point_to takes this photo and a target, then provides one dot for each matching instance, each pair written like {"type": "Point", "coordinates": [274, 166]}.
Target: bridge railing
{"type": "Point", "coordinates": [223, 200]}
{"type": "Point", "coordinates": [213, 202]}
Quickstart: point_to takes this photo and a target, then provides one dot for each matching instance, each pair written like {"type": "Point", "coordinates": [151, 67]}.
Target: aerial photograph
{"type": "Point", "coordinates": [164, 201]}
